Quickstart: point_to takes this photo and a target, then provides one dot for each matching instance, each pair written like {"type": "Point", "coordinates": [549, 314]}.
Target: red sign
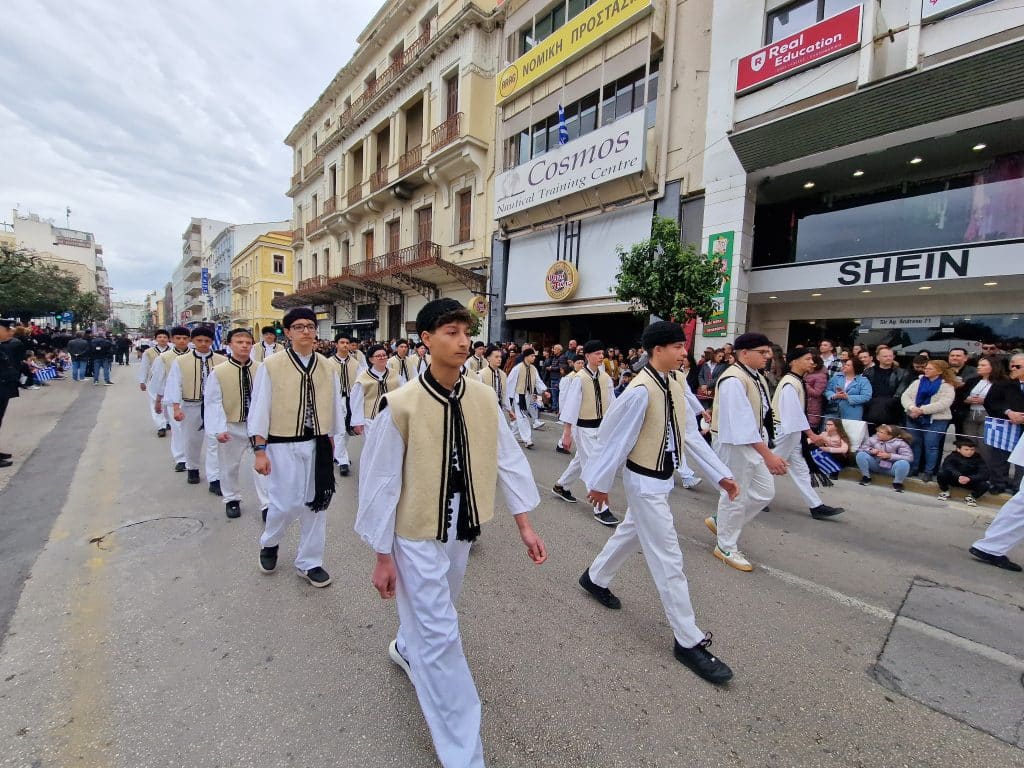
{"type": "Point", "coordinates": [828, 38]}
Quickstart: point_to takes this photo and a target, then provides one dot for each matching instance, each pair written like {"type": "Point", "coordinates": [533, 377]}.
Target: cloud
{"type": "Point", "coordinates": [140, 116]}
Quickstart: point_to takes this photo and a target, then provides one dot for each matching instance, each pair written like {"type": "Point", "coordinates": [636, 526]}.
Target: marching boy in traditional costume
{"type": "Point", "coordinates": [743, 434]}
{"type": "Point", "coordinates": [401, 365]}
{"type": "Point", "coordinates": [647, 428]}
{"type": "Point", "coordinates": [227, 400]}
{"type": "Point", "coordinates": [375, 382]}
{"type": "Point", "coordinates": [478, 361]}
{"type": "Point", "coordinates": [443, 427]}
{"type": "Point", "coordinates": [524, 384]}
{"type": "Point", "coordinates": [296, 407]}
{"type": "Point", "coordinates": [158, 379]}
{"type": "Point", "coordinates": [267, 346]}
{"type": "Point", "coordinates": [162, 345]}
{"type": "Point", "coordinates": [422, 361]}
{"type": "Point", "coordinates": [349, 369]}
{"type": "Point", "coordinates": [494, 377]}
{"type": "Point", "coordinates": [794, 434]}
{"type": "Point", "coordinates": [186, 384]}
{"type": "Point", "coordinates": [583, 403]}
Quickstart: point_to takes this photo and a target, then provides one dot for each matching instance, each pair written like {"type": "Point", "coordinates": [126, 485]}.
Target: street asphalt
{"type": "Point", "coordinates": [145, 635]}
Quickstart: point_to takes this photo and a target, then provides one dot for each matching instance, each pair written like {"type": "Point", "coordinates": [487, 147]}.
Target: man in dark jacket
{"type": "Point", "coordinates": [888, 383]}
{"type": "Point", "coordinates": [1005, 400]}
{"type": "Point", "coordinates": [122, 346]}
{"type": "Point", "coordinates": [101, 352]}
{"type": "Point", "coordinates": [964, 469]}
{"type": "Point", "coordinates": [11, 354]}
{"type": "Point", "coordinates": [78, 348]}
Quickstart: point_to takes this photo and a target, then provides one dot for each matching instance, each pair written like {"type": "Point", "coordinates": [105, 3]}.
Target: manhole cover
{"type": "Point", "coordinates": [148, 534]}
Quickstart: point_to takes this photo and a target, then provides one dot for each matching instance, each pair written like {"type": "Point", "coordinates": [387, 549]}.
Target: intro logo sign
{"type": "Point", "coordinates": [835, 36]}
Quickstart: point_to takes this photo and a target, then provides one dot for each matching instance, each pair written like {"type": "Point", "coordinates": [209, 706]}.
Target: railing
{"type": "Point", "coordinates": [355, 194]}
{"type": "Point", "coordinates": [446, 132]}
{"type": "Point", "coordinates": [296, 178]}
{"type": "Point", "coordinates": [403, 259]}
{"type": "Point", "coordinates": [313, 166]}
{"type": "Point", "coordinates": [298, 235]}
{"type": "Point", "coordinates": [240, 283]}
{"type": "Point", "coordinates": [219, 279]}
{"type": "Point", "coordinates": [314, 226]}
{"type": "Point", "coordinates": [312, 283]}
{"type": "Point", "coordinates": [330, 206]}
{"type": "Point", "coordinates": [410, 161]}
{"type": "Point", "coordinates": [379, 179]}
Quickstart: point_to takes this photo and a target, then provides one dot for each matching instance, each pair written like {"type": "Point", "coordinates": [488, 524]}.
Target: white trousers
{"type": "Point", "coordinates": [430, 575]}
{"type": "Point", "coordinates": [523, 424]}
{"type": "Point", "coordinates": [757, 489]}
{"type": "Point", "coordinates": [289, 486]}
{"type": "Point", "coordinates": [159, 419]}
{"type": "Point", "coordinates": [230, 457]}
{"type": "Point", "coordinates": [199, 446]}
{"type": "Point", "coordinates": [585, 439]}
{"type": "Point", "coordinates": [1007, 530]}
{"type": "Point", "coordinates": [648, 527]}
{"type": "Point", "coordinates": [684, 470]}
{"type": "Point", "coordinates": [177, 436]}
{"type": "Point", "coordinates": [341, 449]}
{"type": "Point", "coordinates": [788, 447]}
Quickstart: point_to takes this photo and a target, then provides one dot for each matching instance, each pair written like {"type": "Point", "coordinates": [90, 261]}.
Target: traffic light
{"type": "Point", "coordinates": [278, 330]}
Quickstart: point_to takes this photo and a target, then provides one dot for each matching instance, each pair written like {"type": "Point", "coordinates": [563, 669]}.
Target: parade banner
{"type": "Point", "coordinates": [720, 246]}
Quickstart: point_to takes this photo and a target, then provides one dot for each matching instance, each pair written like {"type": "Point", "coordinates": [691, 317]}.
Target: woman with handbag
{"type": "Point", "coordinates": [927, 402]}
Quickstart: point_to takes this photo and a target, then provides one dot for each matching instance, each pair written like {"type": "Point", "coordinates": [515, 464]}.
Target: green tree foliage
{"type": "Point", "coordinates": [88, 308]}
{"type": "Point", "coordinates": [663, 277]}
{"type": "Point", "coordinates": [30, 287]}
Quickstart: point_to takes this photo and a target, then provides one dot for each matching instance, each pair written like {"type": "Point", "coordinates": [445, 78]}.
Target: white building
{"type": "Point", "coordinates": [224, 247]}
{"type": "Point", "coordinates": [865, 167]}
{"type": "Point", "coordinates": [133, 315]}
{"type": "Point", "coordinates": [190, 305]}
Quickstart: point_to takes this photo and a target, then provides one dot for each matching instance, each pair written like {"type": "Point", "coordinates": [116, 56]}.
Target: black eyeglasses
{"type": "Point", "coordinates": [1016, 367]}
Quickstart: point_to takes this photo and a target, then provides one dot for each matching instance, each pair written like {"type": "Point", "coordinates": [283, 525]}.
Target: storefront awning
{"type": "Point", "coordinates": [986, 79]}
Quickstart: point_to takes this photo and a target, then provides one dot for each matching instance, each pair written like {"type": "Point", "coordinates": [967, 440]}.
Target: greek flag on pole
{"type": "Point", "coordinates": [563, 130]}
{"type": "Point", "coordinates": [1001, 434]}
{"type": "Point", "coordinates": [217, 345]}
{"type": "Point", "coordinates": [825, 461]}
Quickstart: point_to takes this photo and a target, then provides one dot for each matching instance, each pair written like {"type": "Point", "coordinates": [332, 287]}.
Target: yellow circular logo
{"type": "Point", "coordinates": [561, 280]}
{"type": "Point", "coordinates": [507, 81]}
{"type": "Point", "coordinates": [478, 304]}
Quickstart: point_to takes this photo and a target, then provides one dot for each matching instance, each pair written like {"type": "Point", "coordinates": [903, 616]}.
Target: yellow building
{"type": "Point", "coordinates": [261, 272]}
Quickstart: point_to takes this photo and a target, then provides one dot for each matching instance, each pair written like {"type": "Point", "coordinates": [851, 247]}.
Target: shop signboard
{"type": "Point", "coordinates": [936, 9]}
{"type": "Point", "coordinates": [609, 153]}
{"type": "Point", "coordinates": [888, 323]}
{"type": "Point", "coordinates": [825, 40]}
{"type": "Point", "coordinates": [205, 279]}
{"type": "Point", "coordinates": [720, 246]}
{"type": "Point", "coordinates": [578, 35]}
{"type": "Point", "coordinates": [561, 281]}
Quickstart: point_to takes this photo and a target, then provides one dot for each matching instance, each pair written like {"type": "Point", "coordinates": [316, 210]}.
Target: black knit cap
{"type": "Point", "coordinates": [426, 318]}
{"type": "Point", "coordinates": [158, 331]}
{"type": "Point", "coordinates": [180, 330]}
{"type": "Point", "coordinates": [662, 333]}
{"type": "Point", "coordinates": [299, 313]}
{"type": "Point", "coordinates": [202, 330]}
{"type": "Point", "coordinates": [751, 340]}
{"type": "Point", "coordinates": [594, 345]}
{"type": "Point", "coordinates": [797, 352]}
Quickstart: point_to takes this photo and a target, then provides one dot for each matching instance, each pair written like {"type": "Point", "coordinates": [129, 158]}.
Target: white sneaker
{"type": "Point", "coordinates": [944, 496]}
{"type": "Point", "coordinates": [734, 558]}
{"type": "Point", "coordinates": [691, 483]}
{"type": "Point", "coordinates": [539, 425]}
{"type": "Point", "coordinates": [399, 659]}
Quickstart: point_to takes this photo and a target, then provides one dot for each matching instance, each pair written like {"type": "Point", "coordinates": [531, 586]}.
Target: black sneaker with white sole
{"type": "Point", "coordinates": [564, 494]}
{"type": "Point", "coordinates": [233, 509]}
{"type": "Point", "coordinates": [396, 656]}
{"type": "Point", "coordinates": [268, 559]}
{"type": "Point", "coordinates": [179, 467]}
{"type": "Point", "coordinates": [606, 517]}
{"type": "Point", "coordinates": [317, 576]}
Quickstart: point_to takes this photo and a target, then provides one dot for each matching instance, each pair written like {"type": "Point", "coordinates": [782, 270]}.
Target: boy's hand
{"type": "Point", "coordinates": [728, 485]}
{"type": "Point", "coordinates": [597, 498]}
{"type": "Point", "coordinates": [261, 463]}
{"type": "Point", "coordinates": [534, 546]}
{"type": "Point", "coordinates": [385, 576]}
{"type": "Point", "coordinates": [179, 415]}
{"type": "Point", "coordinates": [963, 480]}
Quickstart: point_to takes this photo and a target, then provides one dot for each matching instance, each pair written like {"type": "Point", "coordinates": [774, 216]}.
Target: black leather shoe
{"type": "Point", "coordinates": [702, 662]}
{"type": "Point", "coordinates": [233, 509]}
{"type": "Point", "coordinates": [5, 456]}
{"type": "Point", "coordinates": [215, 488]}
{"type": "Point", "coordinates": [343, 470]}
{"type": "Point", "coordinates": [824, 510]}
{"type": "Point", "coordinates": [560, 449]}
{"type": "Point", "coordinates": [161, 432]}
{"type": "Point", "coordinates": [179, 467]}
{"type": "Point", "coordinates": [193, 477]}
{"type": "Point", "coordinates": [999, 561]}
{"type": "Point", "coordinates": [5, 463]}
{"type": "Point", "coordinates": [268, 559]}
{"type": "Point", "coordinates": [603, 595]}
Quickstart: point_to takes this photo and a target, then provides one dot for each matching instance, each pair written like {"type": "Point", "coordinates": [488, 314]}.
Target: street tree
{"type": "Point", "coordinates": [664, 277]}
{"type": "Point", "coordinates": [88, 308]}
{"type": "Point", "coordinates": [30, 287]}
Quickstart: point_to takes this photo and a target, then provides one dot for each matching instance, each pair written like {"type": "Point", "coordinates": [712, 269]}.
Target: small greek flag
{"type": "Point", "coordinates": [217, 338]}
{"type": "Point", "coordinates": [563, 130]}
{"type": "Point", "coordinates": [1001, 434]}
{"type": "Point", "coordinates": [825, 461]}
{"type": "Point", "coordinates": [46, 374]}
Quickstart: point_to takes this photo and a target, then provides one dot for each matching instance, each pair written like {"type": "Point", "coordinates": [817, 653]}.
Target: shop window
{"type": "Point", "coordinates": [800, 15]}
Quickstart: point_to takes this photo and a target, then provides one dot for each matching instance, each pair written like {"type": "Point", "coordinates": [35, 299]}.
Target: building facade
{"type": "Point", "coordinates": [601, 119]}
{"type": "Point", "coordinates": [867, 186]}
{"type": "Point", "coordinates": [392, 206]}
{"type": "Point", "coordinates": [132, 314]}
{"type": "Point", "coordinates": [190, 290]}
{"type": "Point", "coordinates": [218, 259]}
{"type": "Point", "coordinates": [262, 272]}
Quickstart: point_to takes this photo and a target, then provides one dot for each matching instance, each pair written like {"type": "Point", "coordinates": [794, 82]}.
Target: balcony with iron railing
{"type": "Point", "coordinates": [410, 161]}
{"type": "Point", "coordinates": [296, 179]}
{"type": "Point", "coordinates": [298, 235]}
{"type": "Point", "coordinates": [355, 194]}
{"type": "Point", "coordinates": [313, 167]}
{"type": "Point", "coordinates": [330, 206]}
{"type": "Point", "coordinates": [379, 179]}
{"type": "Point", "coordinates": [220, 280]}
{"type": "Point", "coordinates": [314, 226]}
{"type": "Point", "coordinates": [240, 283]}
{"type": "Point", "coordinates": [446, 132]}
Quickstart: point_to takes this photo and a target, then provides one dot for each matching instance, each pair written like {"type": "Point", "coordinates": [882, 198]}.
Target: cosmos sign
{"type": "Point", "coordinates": [825, 40]}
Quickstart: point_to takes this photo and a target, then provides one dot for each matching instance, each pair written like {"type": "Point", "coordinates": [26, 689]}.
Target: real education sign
{"type": "Point", "coordinates": [567, 42]}
{"type": "Point", "coordinates": [827, 39]}
{"type": "Point", "coordinates": [611, 152]}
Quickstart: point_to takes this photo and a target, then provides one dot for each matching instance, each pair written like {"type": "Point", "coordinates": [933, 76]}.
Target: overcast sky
{"type": "Point", "coordinates": [139, 116]}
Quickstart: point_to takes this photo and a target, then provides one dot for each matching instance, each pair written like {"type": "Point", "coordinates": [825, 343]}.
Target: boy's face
{"type": "Point", "coordinates": [241, 346]}
{"type": "Point", "coordinates": [269, 338]}
{"type": "Point", "coordinates": [202, 344]}
{"type": "Point", "coordinates": [161, 339]}
{"type": "Point", "coordinates": [495, 358]}
{"type": "Point", "coordinates": [402, 349]}
{"type": "Point", "coordinates": [966, 451]}
{"type": "Point", "coordinates": [448, 343]}
{"type": "Point", "coordinates": [180, 340]}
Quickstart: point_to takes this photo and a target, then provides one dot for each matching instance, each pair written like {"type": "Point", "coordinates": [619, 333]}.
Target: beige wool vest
{"type": "Point", "coordinates": [374, 390]}
{"type": "Point", "coordinates": [397, 366]}
{"type": "Point", "coordinates": [798, 385]}
{"type": "Point", "coordinates": [648, 456]}
{"type": "Point", "coordinates": [496, 379]}
{"type": "Point", "coordinates": [348, 370]}
{"type": "Point", "coordinates": [749, 385]}
{"type": "Point", "coordinates": [193, 384]}
{"type": "Point", "coordinates": [259, 354]}
{"type": "Point", "coordinates": [527, 382]}
{"type": "Point", "coordinates": [167, 358]}
{"type": "Point", "coordinates": [423, 415]}
{"type": "Point", "coordinates": [476, 364]}
{"type": "Point", "coordinates": [291, 392]}
{"type": "Point", "coordinates": [229, 377]}
{"type": "Point", "coordinates": [591, 410]}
